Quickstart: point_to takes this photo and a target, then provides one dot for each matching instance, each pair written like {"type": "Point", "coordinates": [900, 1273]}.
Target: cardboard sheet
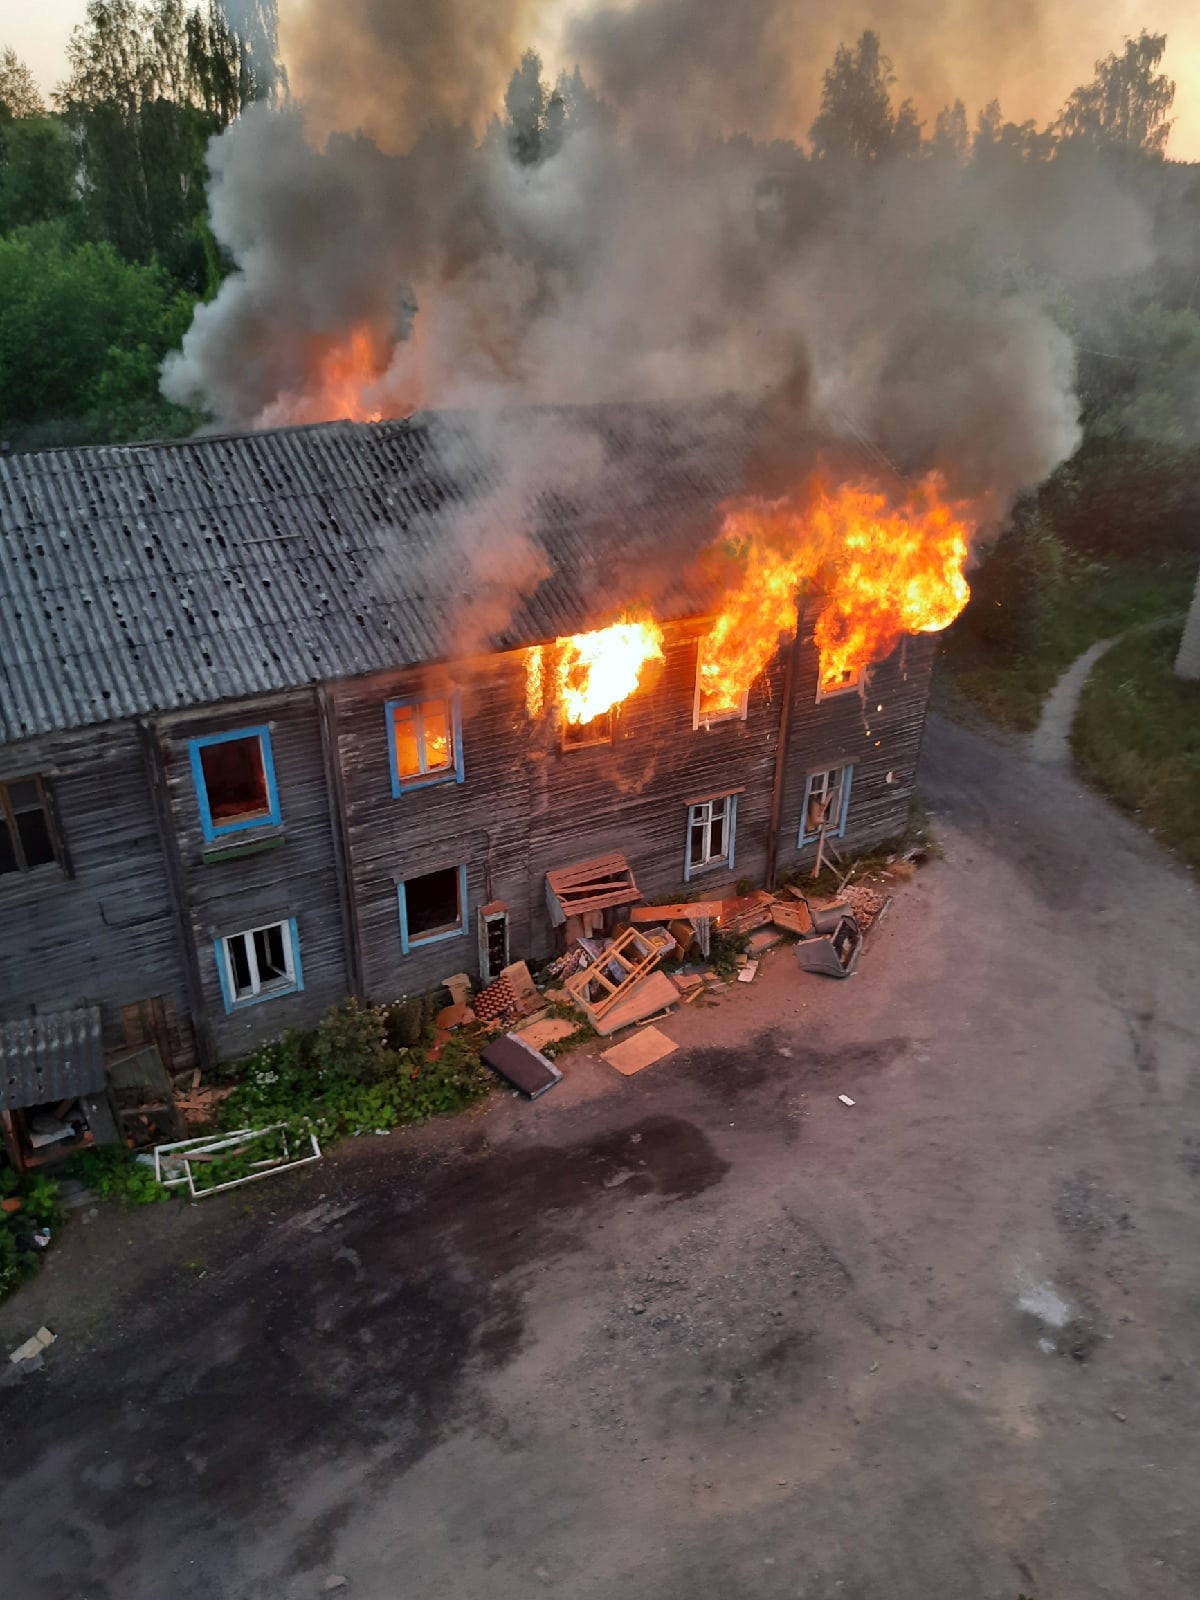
{"type": "Point", "coordinates": [639, 1051]}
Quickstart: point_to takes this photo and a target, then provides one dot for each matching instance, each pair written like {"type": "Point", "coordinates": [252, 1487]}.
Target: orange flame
{"type": "Point", "coordinates": [587, 674]}
{"type": "Point", "coordinates": [360, 377]}
{"type": "Point", "coordinates": [886, 569]}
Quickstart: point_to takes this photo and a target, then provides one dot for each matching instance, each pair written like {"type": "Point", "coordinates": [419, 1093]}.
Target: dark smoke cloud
{"type": "Point", "coordinates": [914, 305]}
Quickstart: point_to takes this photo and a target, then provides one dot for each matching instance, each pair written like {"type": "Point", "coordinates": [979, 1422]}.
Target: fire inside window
{"type": "Point", "coordinates": [826, 803]}
{"type": "Point", "coordinates": [849, 680]}
{"type": "Point", "coordinates": [259, 964]}
{"type": "Point", "coordinates": [26, 830]}
{"type": "Point", "coordinates": [432, 906]}
{"type": "Point", "coordinates": [577, 735]}
{"type": "Point", "coordinates": [711, 827]}
{"type": "Point", "coordinates": [234, 775]}
{"type": "Point", "coordinates": [709, 706]}
{"type": "Point", "coordinates": [426, 742]}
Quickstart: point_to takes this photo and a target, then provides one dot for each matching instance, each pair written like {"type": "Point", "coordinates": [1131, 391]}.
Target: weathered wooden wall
{"type": "Point", "coordinates": [106, 935]}
{"type": "Point", "coordinates": [297, 878]}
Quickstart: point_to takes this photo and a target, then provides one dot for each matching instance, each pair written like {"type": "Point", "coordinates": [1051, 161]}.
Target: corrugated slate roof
{"type": "Point", "coordinates": [50, 1058]}
{"type": "Point", "coordinates": [147, 578]}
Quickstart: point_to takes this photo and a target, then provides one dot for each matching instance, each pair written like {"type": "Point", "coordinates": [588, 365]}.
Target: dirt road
{"type": "Point", "coordinates": [705, 1332]}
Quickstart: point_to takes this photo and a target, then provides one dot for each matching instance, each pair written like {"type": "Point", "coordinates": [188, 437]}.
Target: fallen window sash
{"type": "Point", "coordinates": [168, 1158]}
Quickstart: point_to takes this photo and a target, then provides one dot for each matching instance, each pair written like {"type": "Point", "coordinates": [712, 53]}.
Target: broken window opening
{"type": "Point", "coordinates": [579, 735]}
{"type": "Point", "coordinates": [27, 837]}
{"type": "Point", "coordinates": [826, 802]}
{"type": "Point", "coordinates": [711, 825]}
{"type": "Point", "coordinates": [426, 742]}
{"type": "Point", "coordinates": [709, 706]}
{"type": "Point", "coordinates": [432, 906]}
{"type": "Point", "coordinates": [234, 775]}
{"type": "Point", "coordinates": [848, 681]}
{"type": "Point", "coordinates": [259, 963]}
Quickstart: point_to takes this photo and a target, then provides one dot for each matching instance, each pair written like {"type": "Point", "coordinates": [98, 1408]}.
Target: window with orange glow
{"type": "Point", "coordinates": [426, 742]}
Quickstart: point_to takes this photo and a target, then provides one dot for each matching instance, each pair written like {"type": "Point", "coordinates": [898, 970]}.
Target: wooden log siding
{"type": "Point", "coordinates": [848, 728]}
{"type": "Point", "coordinates": [298, 878]}
{"type": "Point", "coordinates": [107, 935]}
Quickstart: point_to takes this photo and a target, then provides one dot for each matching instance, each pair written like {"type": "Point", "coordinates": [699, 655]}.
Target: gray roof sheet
{"type": "Point", "coordinates": [146, 578]}
{"type": "Point", "coordinates": [55, 1057]}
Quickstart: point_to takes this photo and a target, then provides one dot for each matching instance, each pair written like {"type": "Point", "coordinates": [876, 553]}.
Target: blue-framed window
{"type": "Point", "coordinates": [259, 964]}
{"type": "Point", "coordinates": [433, 906]}
{"type": "Point", "coordinates": [234, 775]}
{"type": "Point", "coordinates": [425, 742]}
{"type": "Point", "coordinates": [712, 827]}
{"type": "Point", "coordinates": [826, 803]}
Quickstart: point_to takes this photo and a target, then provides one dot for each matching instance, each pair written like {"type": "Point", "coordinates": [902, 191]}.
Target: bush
{"type": "Point", "coordinates": [116, 1174]}
{"type": "Point", "coordinates": [11, 1269]}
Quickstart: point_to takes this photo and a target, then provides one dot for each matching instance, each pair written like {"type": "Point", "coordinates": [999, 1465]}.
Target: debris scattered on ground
{"type": "Point", "coordinates": [544, 1030]}
{"type": "Point", "coordinates": [639, 1051]}
{"type": "Point", "coordinates": [41, 1340]}
{"type": "Point", "coordinates": [459, 986]}
{"type": "Point", "coordinates": [518, 1063]}
{"type": "Point", "coordinates": [846, 1100]}
{"type": "Point", "coordinates": [748, 972]}
{"type": "Point", "coordinates": [455, 1016]}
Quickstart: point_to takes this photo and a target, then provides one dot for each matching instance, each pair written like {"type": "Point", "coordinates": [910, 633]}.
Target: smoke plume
{"type": "Point", "coordinates": [663, 245]}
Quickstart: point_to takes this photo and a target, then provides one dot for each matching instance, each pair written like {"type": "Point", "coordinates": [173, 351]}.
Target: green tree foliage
{"type": "Point", "coordinates": [856, 117]}
{"type": "Point", "coordinates": [19, 93]}
{"type": "Point", "coordinates": [1127, 102]}
{"type": "Point", "coordinates": [82, 334]}
{"type": "Point", "coordinates": [148, 87]}
{"type": "Point", "coordinates": [536, 115]}
{"type": "Point", "coordinates": [951, 140]}
{"type": "Point", "coordinates": [37, 171]}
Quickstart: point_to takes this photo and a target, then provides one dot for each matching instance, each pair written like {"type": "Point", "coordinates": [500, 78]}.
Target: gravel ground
{"type": "Point", "coordinates": [706, 1331]}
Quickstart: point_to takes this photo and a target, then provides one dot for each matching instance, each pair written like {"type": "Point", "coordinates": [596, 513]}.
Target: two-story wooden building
{"type": "Point", "coordinates": [256, 753]}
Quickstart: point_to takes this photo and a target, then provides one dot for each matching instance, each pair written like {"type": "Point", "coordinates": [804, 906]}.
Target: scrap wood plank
{"type": "Point", "coordinates": [653, 994]}
{"type": "Point", "coordinates": [580, 984]}
{"type": "Point", "coordinates": [680, 913]}
{"type": "Point", "coordinates": [792, 918]}
{"type": "Point", "coordinates": [639, 1051]}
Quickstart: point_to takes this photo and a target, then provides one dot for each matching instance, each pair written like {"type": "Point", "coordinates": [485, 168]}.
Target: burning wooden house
{"type": "Point", "coordinates": [280, 721]}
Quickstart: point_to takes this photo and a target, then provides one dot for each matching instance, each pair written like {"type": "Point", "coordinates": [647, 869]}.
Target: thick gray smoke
{"type": "Point", "coordinates": [910, 303]}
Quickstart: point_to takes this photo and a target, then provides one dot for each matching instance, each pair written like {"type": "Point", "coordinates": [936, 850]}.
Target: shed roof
{"type": "Point", "coordinates": [146, 578]}
{"type": "Point", "coordinates": [54, 1057]}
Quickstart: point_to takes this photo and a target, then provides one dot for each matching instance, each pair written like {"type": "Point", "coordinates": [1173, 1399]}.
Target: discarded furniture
{"type": "Point", "coordinates": [588, 888]}
{"type": "Point", "coordinates": [518, 1063]}
{"type": "Point", "coordinates": [834, 954]}
{"type": "Point", "coordinates": [598, 988]}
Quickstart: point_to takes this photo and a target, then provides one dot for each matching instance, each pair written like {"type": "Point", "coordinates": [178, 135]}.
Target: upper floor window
{"type": "Point", "coordinates": [259, 963]}
{"type": "Point", "coordinates": [425, 742]}
{"type": "Point", "coordinates": [711, 828]}
{"type": "Point", "coordinates": [848, 681]}
{"type": "Point", "coordinates": [826, 802]}
{"type": "Point", "coordinates": [27, 837]}
{"type": "Point", "coordinates": [234, 774]}
{"type": "Point", "coordinates": [711, 704]}
{"type": "Point", "coordinates": [578, 735]}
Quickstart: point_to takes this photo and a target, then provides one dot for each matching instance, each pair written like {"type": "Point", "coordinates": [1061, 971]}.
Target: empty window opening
{"type": "Point", "coordinates": [26, 831]}
{"type": "Point", "coordinates": [432, 906]}
{"type": "Point", "coordinates": [849, 680]}
{"type": "Point", "coordinates": [710, 833]}
{"type": "Point", "coordinates": [826, 795]}
{"type": "Point", "coordinates": [235, 781]}
{"type": "Point", "coordinates": [709, 705]}
{"type": "Point", "coordinates": [259, 962]}
{"type": "Point", "coordinates": [578, 735]}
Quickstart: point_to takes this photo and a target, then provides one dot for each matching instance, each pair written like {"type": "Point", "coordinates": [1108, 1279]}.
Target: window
{"type": "Point", "coordinates": [425, 740]}
{"type": "Point", "coordinates": [708, 707]}
{"type": "Point", "coordinates": [432, 907]}
{"type": "Point", "coordinates": [259, 964]}
{"type": "Point", "coordinates": [848, 681]}
{"type": "Point", "coordinates": [234, 776]}
{"type": "Point", "coordinates": [578, 735]}
{"type": "Point", "coordinates": [826, 799]}
{"type": "Point", "coordinates": [711, 827]}
{"type": "Point", "coordinates": [26, 830]}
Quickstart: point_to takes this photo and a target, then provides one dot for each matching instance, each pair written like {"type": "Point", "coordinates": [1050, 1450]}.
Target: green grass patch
{"type": "Point", "coordinates": [1004, 666]}
{"type": "Point", "coordinates": [1137, 738]}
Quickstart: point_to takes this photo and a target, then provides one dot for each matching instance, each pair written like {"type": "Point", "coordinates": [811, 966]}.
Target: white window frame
{"type": "Point", "coordinates": [702, 811]}
{"type": "Point", "coordinates": [260, 988]}
{"type": "Point", "coordinates": [732, 714]}
{"type": "Point", "coordinates": [844, 773]}
{"type": "Point", "coordinates": [857, 685]}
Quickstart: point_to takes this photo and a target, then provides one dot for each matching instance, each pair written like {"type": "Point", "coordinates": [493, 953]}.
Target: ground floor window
{"type": "Point", "coordinates": [826, 802]}
{"type": "Point", "coordinates": [259, 963]}
{"type": "Point", "coordinates": [432, 906]}
{"type": "Point", "coordinates": [711, 827]}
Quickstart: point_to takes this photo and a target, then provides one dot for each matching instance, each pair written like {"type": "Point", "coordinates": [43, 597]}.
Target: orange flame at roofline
{"type": "Point", "coordinates": [886, 569]}
{"type": "Point", "coordinates": [587, 674]}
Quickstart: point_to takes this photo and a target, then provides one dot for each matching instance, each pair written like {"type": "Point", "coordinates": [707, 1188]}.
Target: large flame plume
{"type": "Point", "coordinates": [587, 674]}
{"type": "Point", "coordinates": [886, 566]}
{"type": "Point", "coordinates": [360, 377]}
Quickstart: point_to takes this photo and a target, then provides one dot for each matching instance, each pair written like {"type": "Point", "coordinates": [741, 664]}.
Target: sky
{"type": "Point", "coordinates": [1059, 51]}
